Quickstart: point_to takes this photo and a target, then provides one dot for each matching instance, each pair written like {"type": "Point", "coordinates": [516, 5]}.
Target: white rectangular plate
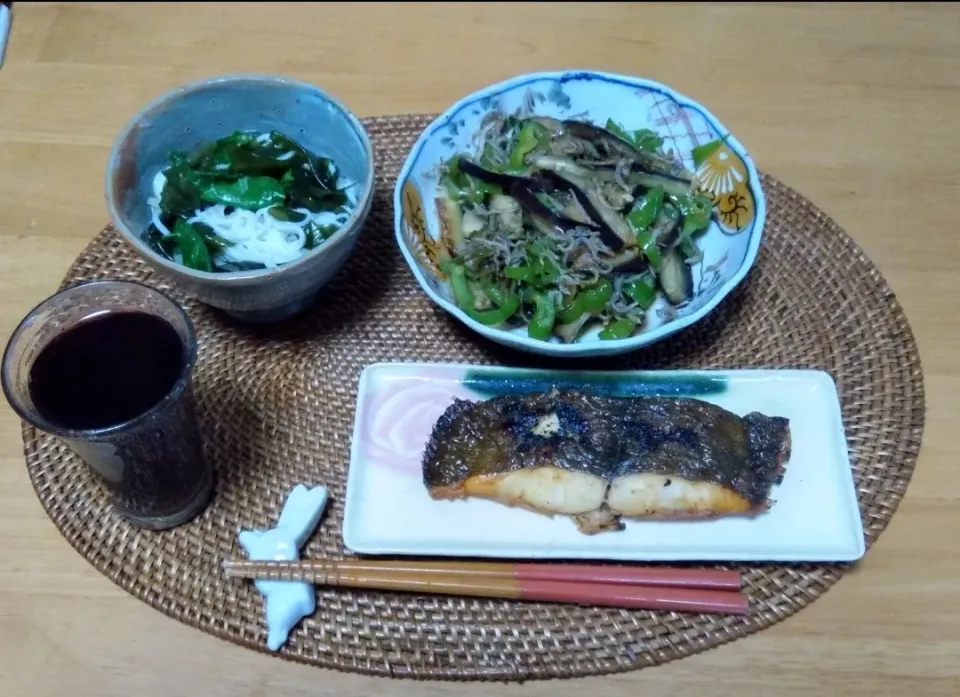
{"type": "Point", "coordinates": [815, 516]}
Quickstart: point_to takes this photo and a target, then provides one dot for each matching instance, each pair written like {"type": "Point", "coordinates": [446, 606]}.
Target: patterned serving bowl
{"type": "Point", "coordinates": [726, 175]}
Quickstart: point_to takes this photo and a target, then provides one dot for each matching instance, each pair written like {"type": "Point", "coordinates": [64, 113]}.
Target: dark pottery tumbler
{"type": "Point", "coordinates": [106, 366]}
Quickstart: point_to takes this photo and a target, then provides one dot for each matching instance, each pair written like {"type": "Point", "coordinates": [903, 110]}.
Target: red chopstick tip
{"type": "Point", "coordinates": [699, 600]}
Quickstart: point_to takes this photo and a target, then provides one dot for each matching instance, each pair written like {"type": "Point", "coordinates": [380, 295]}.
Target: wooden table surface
{"type": "Point", "coordinates": [855, 106]}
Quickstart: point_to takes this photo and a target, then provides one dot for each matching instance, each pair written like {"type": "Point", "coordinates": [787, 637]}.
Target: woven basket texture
{"type": "Point", "coordinates": [277, 408]}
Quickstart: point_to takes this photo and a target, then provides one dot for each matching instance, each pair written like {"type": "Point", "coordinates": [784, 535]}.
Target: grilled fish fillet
{"type": "Point", "coordinates": [601, 459]}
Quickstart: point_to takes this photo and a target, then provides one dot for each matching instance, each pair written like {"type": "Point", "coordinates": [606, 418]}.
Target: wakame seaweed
{"type": "Point", "coordinates": [248, 172]}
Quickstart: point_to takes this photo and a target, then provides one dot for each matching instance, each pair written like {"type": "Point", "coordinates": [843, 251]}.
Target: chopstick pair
{"type": "Point", "coordinates": [647, 588]}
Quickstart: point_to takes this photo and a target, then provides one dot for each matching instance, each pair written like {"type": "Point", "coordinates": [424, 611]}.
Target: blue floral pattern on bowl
{"type": "Point", "coordinates": [727, 175]}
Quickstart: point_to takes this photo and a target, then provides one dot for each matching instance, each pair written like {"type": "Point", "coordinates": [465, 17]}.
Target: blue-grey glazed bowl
{"type": "Point", "coordinates": [194, 114]}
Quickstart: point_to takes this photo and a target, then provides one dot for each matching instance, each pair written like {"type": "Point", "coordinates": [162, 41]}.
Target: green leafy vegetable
{"type": "Point", "coordinates": [181, 192]}
{"type": "Point", "coordinates": [192, 247]}
{"type": "Point", "coordinates": [316, 234]}
{"type": "Point", "coordinates": [163, 245]}
{"type": "Point", "coordinates": [287, 214]}
{"type": "Point", "coordinates": [242, 172]}
{"type": "Point", "coordinates": [214, 242]}
{"type": "Point", "coordinates": [250, 193]}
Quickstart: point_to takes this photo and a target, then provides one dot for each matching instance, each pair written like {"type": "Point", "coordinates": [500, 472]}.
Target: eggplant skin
{"type": "Point", "coordinates": [598, 459]}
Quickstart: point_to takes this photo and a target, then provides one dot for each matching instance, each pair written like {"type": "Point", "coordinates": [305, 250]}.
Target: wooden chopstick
{"type": "Point", "coordinates": [491, 581]}
{"type": "Point", "coordinates": [579, 573]}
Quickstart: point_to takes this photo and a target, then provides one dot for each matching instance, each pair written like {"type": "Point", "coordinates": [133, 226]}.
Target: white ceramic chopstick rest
{"type": "Point", "coordinates": [286, 602]}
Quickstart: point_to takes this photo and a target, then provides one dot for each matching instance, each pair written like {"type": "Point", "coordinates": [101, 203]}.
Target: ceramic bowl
{"type": "Point", "coordinates": [728, 176]}
{"type": "Point", "coordinates": [195, 114]}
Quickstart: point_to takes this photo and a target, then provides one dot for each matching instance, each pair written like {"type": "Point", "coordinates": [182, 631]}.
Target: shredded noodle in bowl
{"type": "Point", "coordinates": [254, 236]}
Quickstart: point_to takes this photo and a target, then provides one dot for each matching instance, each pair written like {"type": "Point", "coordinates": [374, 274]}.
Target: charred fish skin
{"type": "Point", "coordinates": [701, 442]}
{"type": "Point", "coordinates": [507, 433]}
{"type": "Point", "coordinates": [770, 448]}
{"type": "Point", "coordinates": [598, 459]}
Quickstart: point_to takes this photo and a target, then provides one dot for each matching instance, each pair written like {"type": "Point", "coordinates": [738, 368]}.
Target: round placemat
{"type": "Point", "coordinates": [277, 408]}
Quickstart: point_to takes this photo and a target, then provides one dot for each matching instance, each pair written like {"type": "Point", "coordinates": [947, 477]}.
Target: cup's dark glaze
{"type": "Point", "coordinates": [152, 465]}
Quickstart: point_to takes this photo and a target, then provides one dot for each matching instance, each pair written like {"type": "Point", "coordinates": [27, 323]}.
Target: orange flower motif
{"type": "Point", "coordinates": [723, 176]}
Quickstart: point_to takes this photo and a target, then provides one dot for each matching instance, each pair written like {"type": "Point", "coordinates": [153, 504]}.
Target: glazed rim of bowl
{"type": "Point", "coordinates": [643, 338]}
{"type": "Point", "coordinates": [363, 200]}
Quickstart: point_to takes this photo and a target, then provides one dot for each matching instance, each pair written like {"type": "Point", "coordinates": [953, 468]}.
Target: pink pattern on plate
{"type": "Point", "coordinates": [399, 417]}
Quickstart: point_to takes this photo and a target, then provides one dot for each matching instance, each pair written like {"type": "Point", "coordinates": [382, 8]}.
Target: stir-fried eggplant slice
{"type": "Point", "coordinates": [502, 180]}
{"type": "Point", "coordinates": [613, 229]}
{"type": "Point", "coordinates": [572, 170]}
{"type": "Point", "coordinates": [629, 261]}
{"type": "Point", "coordinates": [642, 161]}
{"type": "Point", "coordinates": [674, 187]}
{"type": "Point", "coordinates": [676, 278]}
{"type": "Point", "coordinates": [539, 211]}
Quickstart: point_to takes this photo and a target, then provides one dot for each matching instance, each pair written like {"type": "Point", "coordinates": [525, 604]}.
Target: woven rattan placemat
{"type": "Point", "coordinates": [277, 408]}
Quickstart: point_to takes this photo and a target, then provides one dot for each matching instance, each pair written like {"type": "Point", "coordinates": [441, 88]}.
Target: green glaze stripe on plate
{"type": "Point", "coordinates": [500, 381]}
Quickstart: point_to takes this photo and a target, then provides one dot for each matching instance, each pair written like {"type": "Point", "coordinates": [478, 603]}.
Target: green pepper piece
{"type": "Point", "coordinates": [645, 139]}
{"type": "Point", "coordinates": [544, 317]}
{"type": "Point", "coordinates": [527, 142]}
{"type": "Point", "coordinates": [488, 159]}
{"type": "Point", "coordinates": [641, 139]}
{"type": "Point", "coordinates": [650, 250]}
{"type": "Point", "coordinates": [641, 291]}
{"type": "Point", "coordinates": [696, 211]}
{"type": "Point", "coordinates": [573, 310]}
{"type": "Point", "coordinates": [618, 329]}
{"type": "Point", "coordinates": [498, 296]}
{"type": "Point", "coordinates": [618, 130]}
{"type": "Point", "coordinates": [462, 186]}
{"type": "Point", "coordinates": [545, 272]}
{"type": "Point", "coordinates": [461, 289]}
{"type": "Point", "coordinates": [702, 152]}
{"type": "Point", "coordinates": [519, 273]}
{"type": "Point", "coordinates": [596, 298]}
{"type": "Point", "coordinates": [592, 300]}
{"type": "Point", "coordinates": [250, 193]}
{"type": "Point", "coordinates": [192, 247]}
{"type": "Point", "coordinates": [645, 212]}
{"type": "Point", "coordinates": [501, 314]}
